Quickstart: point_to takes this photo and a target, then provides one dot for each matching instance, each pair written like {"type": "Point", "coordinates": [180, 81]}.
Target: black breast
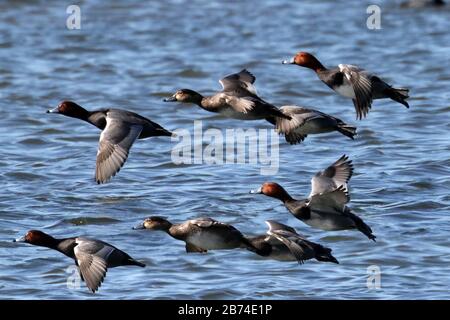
{"type": "Point", "coordinates": [304, 212]}
{"type": "Point", "coordinates": [98, 118]}
{"type": "Point", "coordinates": [332, 77]}
{"type": "Point", "coordinates": [262, 247]}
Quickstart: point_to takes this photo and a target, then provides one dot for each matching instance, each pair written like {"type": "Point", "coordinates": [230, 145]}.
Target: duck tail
{"type": "Point", "coordinates": [361, 225]}
{"type": "Point", "coordinates": [347, 130]}
{"type": "Point", "coordinates": [324, 254]}
{"type": "Point", "coordinates": [132, 262]}
{"type": "Point", "coordinates": [163, 132]}
{"type": "Point", "coordinates": [399, 94]}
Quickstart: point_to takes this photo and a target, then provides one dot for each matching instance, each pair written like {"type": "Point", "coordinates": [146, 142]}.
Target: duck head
{"type": "Point", "coordinates": [305, 59]}
{"type": "Point", "coordinates": [186, 96]}
{"type": "Point", "coordinates": [154, 223]}
{"type": "Point", "coordinates": [274, 190]}
{"type": "Point", "coordinates": [37, 238]}
{"type": "Point", "coordinates": [70, 109]}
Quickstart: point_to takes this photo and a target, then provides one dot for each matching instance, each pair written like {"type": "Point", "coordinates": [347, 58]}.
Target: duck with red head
{"type": "Point", "coordinates": [237, 100]}
{"type": "Point", "coordinates": [274, 190]}
{"type": "Point", "coordinates": [92, 256]}
{"type": "Point", "coordinates": [325, 208]}
{"type": "Point", "coordinates": [38, 238]}
{"type": "Point", "coordinates": [352, 82]}
{"type": "Point", "coordinates": [71, 109]}
{"type": "Point", "coordinates": [307, 60]}
{"type": "Point", "coordinates": [120, 129]}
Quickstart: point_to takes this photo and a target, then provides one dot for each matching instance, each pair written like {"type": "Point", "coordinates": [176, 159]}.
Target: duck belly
{"type": "Point", "coordinates": [315, 126]}
{"type": "Point", "coordinates": [231, 113]}
{"type": "Point", "coordinates": [345, 90]}
{"type": "Point", "coordinates": [329, 222]}
{"type": "Point", "coordinates": [281, 253]}
{"type": "Point", "coordinates": [213, 241]}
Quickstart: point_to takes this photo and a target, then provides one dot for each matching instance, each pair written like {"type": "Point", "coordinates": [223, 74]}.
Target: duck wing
{"type": "Point", "coordinates": [275, 225]}
{"type": "Point", "coordinates": [292, 128]}
{"type": "Point", "coordinates": [114, 145]}
{"type": "Point", "coordinates": [209, 223]}
{"type": "Point", "coordinates": [241, 80]}
{"type": "Point", "coordinates": [204, 222]}
{"type": "Point", "coordinates": [296, 245]}
{"type": "Point", "coordinates": [336, 175]}
{"type": "Point", "coordinates": [330, 202]}
{"type": "Point", "coordinates": [91, 258]}
{"type": "Point", "coordinates": [362, 86]}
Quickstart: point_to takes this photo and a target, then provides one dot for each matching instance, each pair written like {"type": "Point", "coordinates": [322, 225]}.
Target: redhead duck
{"type": "Point", "coordinates": [352, 82]}
{"type": "Point", "coordinates": [325, 208]}
{"type": "Point", "coordinates": [120, 128]}
{"type": "Point", "coordinates": [308, 121]}
{"type": "Point", "coordinates": [200, 234]}
{"type": "Point", "coordinates": [93, 257]}
{"type": "Point", "coordinates": [237, 100]}
{"type": "Point", "coordinates": [283, 243]}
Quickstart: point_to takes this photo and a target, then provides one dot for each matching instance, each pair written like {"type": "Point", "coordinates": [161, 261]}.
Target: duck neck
{"type": "Point", "coordinates": [316, 65]}
{"type": "Point", "coordinates": [201, 101]}
{"type": "Point", "coordinates": [49, 242]}
{"type": "Point", "coordinates": [204, 103]}
{"type": "Point", "coordinates": [176, 232]}
{"type": "Point", "coordinates": [80, 113]}
{"type": "Point", "coordinates": [320, 68]}
{"type": "Point", "coordinates": [284, 196]}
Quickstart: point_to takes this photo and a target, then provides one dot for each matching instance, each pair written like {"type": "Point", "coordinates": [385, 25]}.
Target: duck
{"type": "Point", "coordinates": [200, 234]}
{"type": "Point", "coordinates": [92, 257]}
{"type": "Point", "coordinates": [120, 129]}
{"type": "Point", "coordinates": [352, 82]}
{"type": "Point", "coordinates": [237, 100]}
{"type": "Point", "coordinates": [283, 243]}
{"type": "Point", "coordinates": [306, 121]}
{"type": "Point", "coordinates": [326, 206]}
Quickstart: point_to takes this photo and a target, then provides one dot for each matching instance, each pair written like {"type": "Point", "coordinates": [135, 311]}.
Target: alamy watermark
{"type": "Point", "coordinates": [373, 22]}
{"type": "Point", "coordinates": [74, 279]}
{"type": "Point", "coordinates": [73, 21]}
{"type": "Point", "coordinates": [231, 146]}
{"type": "Point", "coordinates": [373, 277]}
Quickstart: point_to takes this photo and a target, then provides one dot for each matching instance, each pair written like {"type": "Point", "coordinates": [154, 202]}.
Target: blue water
{"type": "Point", "coordinates": [132, 54]}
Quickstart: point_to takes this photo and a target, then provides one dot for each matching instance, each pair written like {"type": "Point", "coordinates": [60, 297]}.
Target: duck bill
{"type": "Point", "coordinates": [53, 110]}
{"type": "Point", "coordinates": [290, 61]}
{"type": "Point", "coordinates": [256, 191]}
{"type": "Point", "coordinates": [140, 226]}
{"type": "Point", "coordinates": [171, 99]}
{"type": "Point", "coordinates": [21, 239]}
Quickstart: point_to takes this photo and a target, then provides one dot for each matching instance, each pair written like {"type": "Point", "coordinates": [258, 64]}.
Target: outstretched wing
{"type": "Point", "coordinates": [92, 268]}
{"type": "Point", "coordinates": [293, 128]}
{"type": "Point", "coordinates": [241, 80]}
{"type": "Point", "coordinates": [362, 86]}
{"type": "Point", "coordinates": [336, 175]}
{"type": "Point", "coordinates": [114, 145]}
{"type": "Point", "coordinates": [291, 241]}
{"type": "Point", "coordinates": [330, 202]}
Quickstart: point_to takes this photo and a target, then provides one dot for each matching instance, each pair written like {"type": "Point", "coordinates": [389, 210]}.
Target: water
{"type": "Point", "coordinates": [131, 55]}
